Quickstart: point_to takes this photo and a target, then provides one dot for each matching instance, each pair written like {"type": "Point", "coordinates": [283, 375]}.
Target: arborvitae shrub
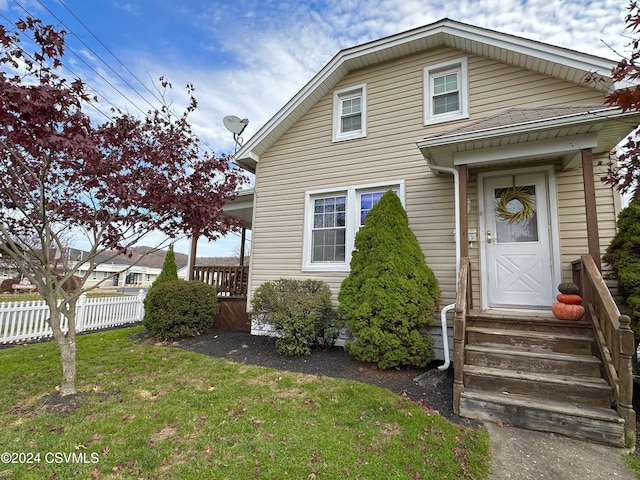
{"type": "Point", "coordinates": [623, 254]}
{"type": "Point", "coordinates": [169, 268]}
{"type": "Point", "coordinates": [168, 273]}
{"type": "Point", "coordinates": [390, 294]}
{"type": "Point", "coordinates": [300, 312]}
{"type": "Point", "coordinates": [180, 308]}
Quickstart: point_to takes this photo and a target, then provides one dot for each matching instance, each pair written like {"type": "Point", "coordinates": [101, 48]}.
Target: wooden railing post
{"type": "Point", "coordinates": [625, 374]}
{"type": "Point", "coordinates": [459, 333]}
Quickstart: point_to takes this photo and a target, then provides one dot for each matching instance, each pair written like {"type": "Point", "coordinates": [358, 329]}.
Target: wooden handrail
{"type": "Point", "coordinates": [463, 301]}
{"type": "Point", "coordinates": [228, 281]}
{"type": "Point", "coordinates": [614, 338]}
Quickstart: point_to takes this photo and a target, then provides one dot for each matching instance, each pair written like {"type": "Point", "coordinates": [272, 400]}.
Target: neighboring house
{"type": "Point", "coordinates": [108, 272]}
{"type": "Point", "coordinates": [473, 129]}
{"type": "Point", "coordinates": [114, 272]}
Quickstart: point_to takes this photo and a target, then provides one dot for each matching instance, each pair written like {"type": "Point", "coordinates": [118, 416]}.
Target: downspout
{"type": "Point", "coordinates": [446, 309]}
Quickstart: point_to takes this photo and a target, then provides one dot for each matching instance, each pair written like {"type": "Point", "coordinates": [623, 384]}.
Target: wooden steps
{"type": "Point", "coordinates": [538, 373]}
{"type": "Point", "coordinates": [599, 425]}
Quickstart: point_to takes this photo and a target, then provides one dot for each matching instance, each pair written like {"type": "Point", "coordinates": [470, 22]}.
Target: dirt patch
{"type": "Point", "coordinates": [165, 433]}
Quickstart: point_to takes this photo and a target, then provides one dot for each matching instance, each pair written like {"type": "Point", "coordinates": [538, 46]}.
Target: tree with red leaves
{"type": "Point", "coordinates": [624, 175]}
{"type": "Point", "coordinates": [113, 182]}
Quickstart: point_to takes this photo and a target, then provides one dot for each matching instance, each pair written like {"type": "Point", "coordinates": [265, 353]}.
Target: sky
{"type": "Point", "coordinates": [249, 57]}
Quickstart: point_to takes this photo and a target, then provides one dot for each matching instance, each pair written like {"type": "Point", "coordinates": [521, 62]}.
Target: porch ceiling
{"type": "Point", "coordinates": [241, 207]}
{"type": "Point", "coordinates": [517, 135]}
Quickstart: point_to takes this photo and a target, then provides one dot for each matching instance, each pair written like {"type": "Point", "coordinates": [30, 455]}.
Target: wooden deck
{"type": "Point", "coordinates": [231, 284]}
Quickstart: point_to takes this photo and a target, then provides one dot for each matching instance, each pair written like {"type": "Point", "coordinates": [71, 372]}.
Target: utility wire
{"type": "Point", "coordinates": [103, 96]}
{"type": "Point", "coordinates": [126, 82]}
{"type": "Point", "coordinates": [28, 55]}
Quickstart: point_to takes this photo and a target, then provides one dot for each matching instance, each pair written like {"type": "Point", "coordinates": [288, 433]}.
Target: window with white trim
{"type": "Point", "coordinates": [349, 113]}
{"type": "Point", "coordinates": [329, 227]}
{"type": "Point", "coordinates": [445, 92]}
{"type": "Point", "coordinates": [332, 218]}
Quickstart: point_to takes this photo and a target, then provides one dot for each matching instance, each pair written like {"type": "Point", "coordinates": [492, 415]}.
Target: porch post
{"type": "Point", "coordinates": [192, 255]}
{"type": "Point", "coordinates": [593, 238]}
{"type": "Point", "coordinates": [463, 234]}
{"type": "Point", "coordinates": [242, 242]}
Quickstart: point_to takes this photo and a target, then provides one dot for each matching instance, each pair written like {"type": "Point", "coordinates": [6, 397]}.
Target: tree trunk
{"type": "Point", "coordinates": [68, 356]}
{"type": "Point", "coordinates": [66, 345]}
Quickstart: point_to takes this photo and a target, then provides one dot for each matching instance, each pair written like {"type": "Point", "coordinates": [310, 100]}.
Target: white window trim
{"type": "Point", "coordinates": [338, 95]}
{"type": "Point", "coordinates": [352, 223]}
{"type": "Point", "coordinates": [459, 64]}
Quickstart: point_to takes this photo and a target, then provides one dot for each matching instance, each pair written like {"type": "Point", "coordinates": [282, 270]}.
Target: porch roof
{"type": "Point", "coordinates": [525, 134]}
{"type": "Point", "coordinates": [241, 207]}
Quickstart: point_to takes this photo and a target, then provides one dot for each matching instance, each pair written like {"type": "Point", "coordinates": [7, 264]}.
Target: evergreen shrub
{"type": "Point", "coordinates": [179, 308]}
{"type": "Point", "coordinates": [169, 273]}
{"type": "Point", "coordinates": [390, 294]}
{"type": "Point", "coordinates": [300, 312]}
{"type": "Point", "coordinates": [623, 254]}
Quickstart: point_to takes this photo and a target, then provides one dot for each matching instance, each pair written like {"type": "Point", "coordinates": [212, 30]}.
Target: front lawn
{"type": "Point", "coordinates": [153, 412]}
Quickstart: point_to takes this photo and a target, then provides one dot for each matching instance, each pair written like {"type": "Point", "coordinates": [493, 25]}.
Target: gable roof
{"type": "Point", "coordinates": [536, 56]}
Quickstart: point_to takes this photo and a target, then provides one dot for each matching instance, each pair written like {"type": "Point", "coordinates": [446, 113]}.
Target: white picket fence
{"type": "Point", "coordinates": [27, 321]}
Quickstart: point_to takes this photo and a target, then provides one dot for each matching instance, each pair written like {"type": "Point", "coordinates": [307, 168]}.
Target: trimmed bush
{"type": "Point", "coordinates": [7, 285]}
{"type": "Point", "coordinates": [623, 254]}
{"type": "Point", "coordinates": [300, 312]}
{"type": "Point", "coordinates": [180, 308]}
{"type": "Point", "coordinates": [390, 294]}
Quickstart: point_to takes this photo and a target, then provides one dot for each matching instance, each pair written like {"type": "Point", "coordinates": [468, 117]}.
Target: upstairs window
{"type": "Point", "coordinates": [445, 93]}
{"type": "Point", "coordinates": [349, 113]}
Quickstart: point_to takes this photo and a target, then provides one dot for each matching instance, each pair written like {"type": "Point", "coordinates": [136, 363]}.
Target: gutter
{"type": "Point", "coordinates": [443, 312]}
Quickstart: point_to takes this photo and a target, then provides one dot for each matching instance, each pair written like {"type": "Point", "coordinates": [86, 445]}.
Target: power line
{"type": "Point", "coordinates": [28, 55]}
{"type": "Point", "coordinates": [205, 146]}
{"type": "Point", "coordinates": [100, 58]}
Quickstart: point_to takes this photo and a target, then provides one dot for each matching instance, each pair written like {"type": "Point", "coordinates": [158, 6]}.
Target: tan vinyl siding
{"type": "Point", "coordinates": [572, 216]}
{"type": "Point", "coordinates": [305, 158]}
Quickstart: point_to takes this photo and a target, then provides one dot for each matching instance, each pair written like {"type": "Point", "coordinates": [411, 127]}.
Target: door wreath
{"type": "Point", "coordinates": [521, 195]}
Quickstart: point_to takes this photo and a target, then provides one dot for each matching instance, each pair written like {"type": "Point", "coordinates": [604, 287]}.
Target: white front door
{"type": "Point", "coordinates": [516, 241]}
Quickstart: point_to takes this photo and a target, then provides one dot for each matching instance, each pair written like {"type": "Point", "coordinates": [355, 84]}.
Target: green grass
{"type": "Point", "coordinates": [633, 462]}
{"type": "Point", "coordinates": [150, 411]}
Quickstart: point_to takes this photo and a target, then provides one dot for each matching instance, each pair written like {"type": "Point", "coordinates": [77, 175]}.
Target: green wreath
{"type": "Point", "coordinates": [521, 195]}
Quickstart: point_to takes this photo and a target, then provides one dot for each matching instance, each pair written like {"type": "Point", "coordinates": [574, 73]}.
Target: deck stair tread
{"type": "Point", "coordinates": [565, 408]}
{"type": "Point", "coordinates": [589, 359]}
{"type": "Point", "coordinates": [595, 382]}
{"type": "Point", "coordinates": [529, 334]}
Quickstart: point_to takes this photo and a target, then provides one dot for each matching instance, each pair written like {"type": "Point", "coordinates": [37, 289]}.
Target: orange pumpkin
{"type": "Point", "coordinates": [566, 311]}
{"type": "Point", "coordinates": [568, 298]}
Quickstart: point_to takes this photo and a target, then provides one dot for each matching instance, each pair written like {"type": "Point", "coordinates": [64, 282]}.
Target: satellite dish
{"type": "Point", "coordinates": [234, 124]}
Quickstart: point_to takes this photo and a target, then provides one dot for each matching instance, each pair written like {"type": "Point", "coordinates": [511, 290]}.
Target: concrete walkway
{"type": "Point", "coordinates": [523, 454]}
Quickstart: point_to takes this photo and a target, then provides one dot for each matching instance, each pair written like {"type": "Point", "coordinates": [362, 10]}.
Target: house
{"type": "Point", "coordinates": [495, 145]}
{"type": "Point", "coordinates": [109, 271]}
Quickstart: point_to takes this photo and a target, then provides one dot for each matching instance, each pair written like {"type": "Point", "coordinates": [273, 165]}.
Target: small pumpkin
{"type": "Point", "coordinates": [566, 311]}
{"type": "Point", "coordinates": [570, 299]}
{"type": "Point", "coordinates": [569, 288]}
